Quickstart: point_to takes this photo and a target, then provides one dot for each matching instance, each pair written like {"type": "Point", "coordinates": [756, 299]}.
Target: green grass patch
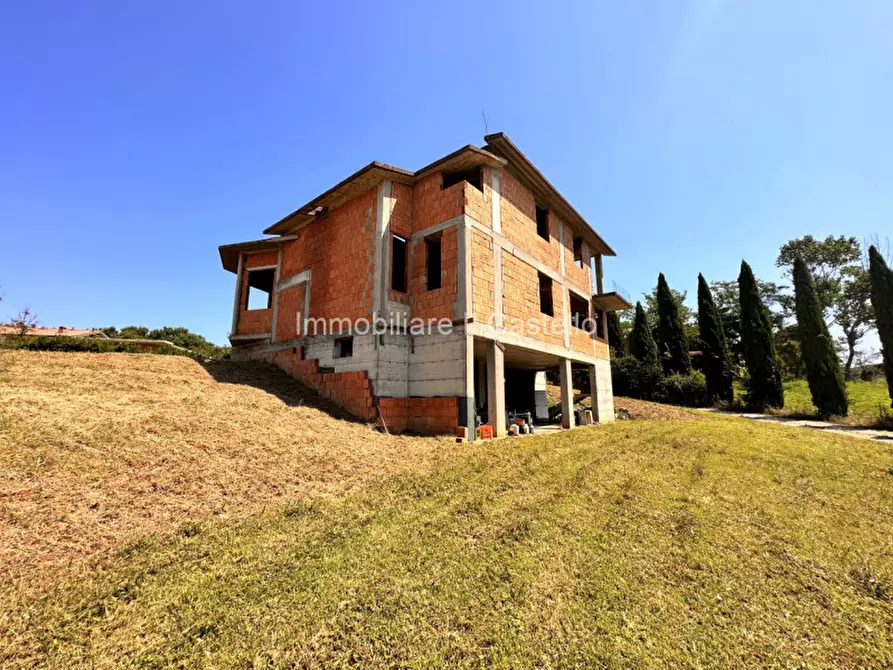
{"type": "Point", "coordinates": [868, 401]}
{"type": "Point", "coordinates": [865, 398]}
{"type": "Point", "coordinates": [716, 542]}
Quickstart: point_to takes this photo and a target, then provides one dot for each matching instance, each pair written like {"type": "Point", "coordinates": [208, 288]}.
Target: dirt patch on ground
{"type": "Point", "coordinates": [96, 449]}
{"type": "Point", "coordinates": [653, 411]}
{"type": "Point", "coordinates": [638, 409]}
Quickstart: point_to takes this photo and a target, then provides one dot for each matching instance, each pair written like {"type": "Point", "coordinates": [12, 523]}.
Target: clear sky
{"type": "Point", "coordinates": [136, 137]}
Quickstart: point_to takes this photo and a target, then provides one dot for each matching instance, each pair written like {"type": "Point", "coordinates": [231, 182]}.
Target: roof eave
{"type": "Point", "coordinates": [527, 171]}
{"type": "Point", "coordinates": [229, 253]}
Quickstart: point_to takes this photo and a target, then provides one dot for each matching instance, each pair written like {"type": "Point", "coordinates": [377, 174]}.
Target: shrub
{"type": "Point", "coordinates": [688, 390]}
{"type": "Point", "coordinates": [632, 378]}
{"type": "Point", "coordinates": [83, 344]}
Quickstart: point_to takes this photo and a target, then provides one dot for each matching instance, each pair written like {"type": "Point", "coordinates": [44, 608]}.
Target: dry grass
{"type": "Point", "coordinates": [715, 543]}
{"type": "Point", "coordinates": [654, 411]}
{"type": "Point", "coordinates": [96, 449]}
{"type": "Point", "coordinates": [638, 409]}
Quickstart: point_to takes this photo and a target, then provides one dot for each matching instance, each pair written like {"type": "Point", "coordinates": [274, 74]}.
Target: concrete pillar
{"type": "Point", "coordinates": [237, 301]}
{"type": "Point", "coordinates": [594, 393]}
{"type": "Point", "coordinates": [567, 393]}
{"type": "Point", "coordinates": [541, 402]}
{"type": "Point", "coordinates": [496, 387]}
{"type": "Point", "coordinates": [602, 392]}
{"type": "Point", "coordinates": [466, 403]}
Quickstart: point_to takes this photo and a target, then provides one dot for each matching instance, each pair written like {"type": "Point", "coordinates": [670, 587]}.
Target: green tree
{"type": "Point", "coordinates": [717, 362]}
{"type": "Point", "coordinates": [641, 342]}
{"type": "Point", "coordinates": [819, 356]}
{"type": "Point", "coordinates": [725, 297]}
{"type": "Point", "coordinates": [841, 284]}
{"type": "Point", "coordinates": [616, 338]}
{"type": "Point", "coordinates": [882, 301]}
{"type": "Point", "coordinates": [758, 345]}
{"type": "Point", "coordinates": [686, 315]}
{"type": "Point", "coordinates": [672, 340]}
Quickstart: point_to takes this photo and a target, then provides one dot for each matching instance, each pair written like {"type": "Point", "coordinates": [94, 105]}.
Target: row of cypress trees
{"type": "Point", "coordinates": [764, 381]}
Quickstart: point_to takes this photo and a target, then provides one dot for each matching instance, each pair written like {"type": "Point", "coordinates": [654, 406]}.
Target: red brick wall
{"type": "Point", "coordinates": [350, 390]}
{"type": "Point", "coordinates": [520, 290]}
{"type": "Point", "coordinates": [291, 303]}
{"type": "Point", "coordinates": [582, 341]}
{"type": "Point", "coordinates": [479, 204]}
{"type": "Point", "coordinates": [255, 321]}
{"type": "Point", "coordinates": [518, 217]}
{"type": "Point", "coordinates": [261, 259]}
{"type": "Point", "coordinates": [422, 415]}
{"type": "Point", "coordinates": [339, 249]}
{"type": "Point", "coordinates": [482, 276]}
{"type": "Point", "coordinates": [578, 276]}
{"type": "Point", "coordinates": [432, 205]}
{"type": "Point", "coordinates": [437, 303]}
{"type": "Point", "coordinates": [401, 224]}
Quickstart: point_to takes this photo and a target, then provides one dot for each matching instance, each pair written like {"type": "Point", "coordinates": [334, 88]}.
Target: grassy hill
{"type": "Point", "coordinates": [97, 449]}
{"type": "Point", "coordinates": [689, 541]}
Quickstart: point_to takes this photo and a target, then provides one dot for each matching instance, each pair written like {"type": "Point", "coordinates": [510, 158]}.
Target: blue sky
{"type": "Point", "coordinates": [136, 137]}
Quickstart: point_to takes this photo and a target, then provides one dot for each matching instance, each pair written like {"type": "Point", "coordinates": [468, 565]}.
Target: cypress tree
{"type": "Point", "coordinates": [641, 343]}
{"type": "Point", "coordinates": [758, 344]}
{"type": "Point", "coordinates": [882, 303]}
{"type": "Point", "coordinates": [615, 335]}
{"type": "Point", "coordinates": [670, 334]}
{"type": "Point", "coordinates": [717, 362]}
{"type": "Point", "coordinates": [822, 366]}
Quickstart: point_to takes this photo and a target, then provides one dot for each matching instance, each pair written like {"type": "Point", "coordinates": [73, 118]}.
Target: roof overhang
{"type": "Point", "coordinates": [229, 253]}
{"type": "Point", "coordinates": [521, 167]}
{"type": "Point", "coordinates": [609, 302]}
{"type": "Point", "coordinates": [370, 176]}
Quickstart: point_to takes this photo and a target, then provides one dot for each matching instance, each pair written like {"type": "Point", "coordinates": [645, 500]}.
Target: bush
{"type": "Point", "coordinates": [632, 378]}
{"type": "Point", "coordinates": [84, 344]}
{"type": "Point", "coordinates": [688, 390]}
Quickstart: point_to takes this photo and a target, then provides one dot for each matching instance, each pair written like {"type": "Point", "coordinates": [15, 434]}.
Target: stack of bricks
{"type": "Point", "coordinates": [423, 415]}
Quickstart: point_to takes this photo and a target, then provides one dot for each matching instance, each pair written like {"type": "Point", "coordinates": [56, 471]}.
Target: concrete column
{"type": "Point", "coordinates": [496, 387]}
{"type": "Point", "coordinates": [541, 402]}
{"type": "Point", "coordinates": [467, 403]}
{"type": "Point", "coordinates": [594, 392]}
{"type": "Point", "coordinates": [602, 391]}
{"type": "Point", "coordinates": [567, 393]}
{"type": "Point", "coordinates": [238, 299]}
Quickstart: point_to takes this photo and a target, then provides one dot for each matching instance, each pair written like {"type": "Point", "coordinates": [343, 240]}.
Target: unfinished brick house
{"type": "Point", "coordinates": [478, 242]}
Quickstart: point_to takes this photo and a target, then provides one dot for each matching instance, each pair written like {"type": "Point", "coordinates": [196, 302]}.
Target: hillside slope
{"type": "Point", "coordinates": [96, 449]}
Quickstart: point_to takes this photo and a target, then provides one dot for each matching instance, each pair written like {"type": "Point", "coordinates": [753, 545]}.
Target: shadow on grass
{"type": "Point", "coordinates": [272, 380]}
